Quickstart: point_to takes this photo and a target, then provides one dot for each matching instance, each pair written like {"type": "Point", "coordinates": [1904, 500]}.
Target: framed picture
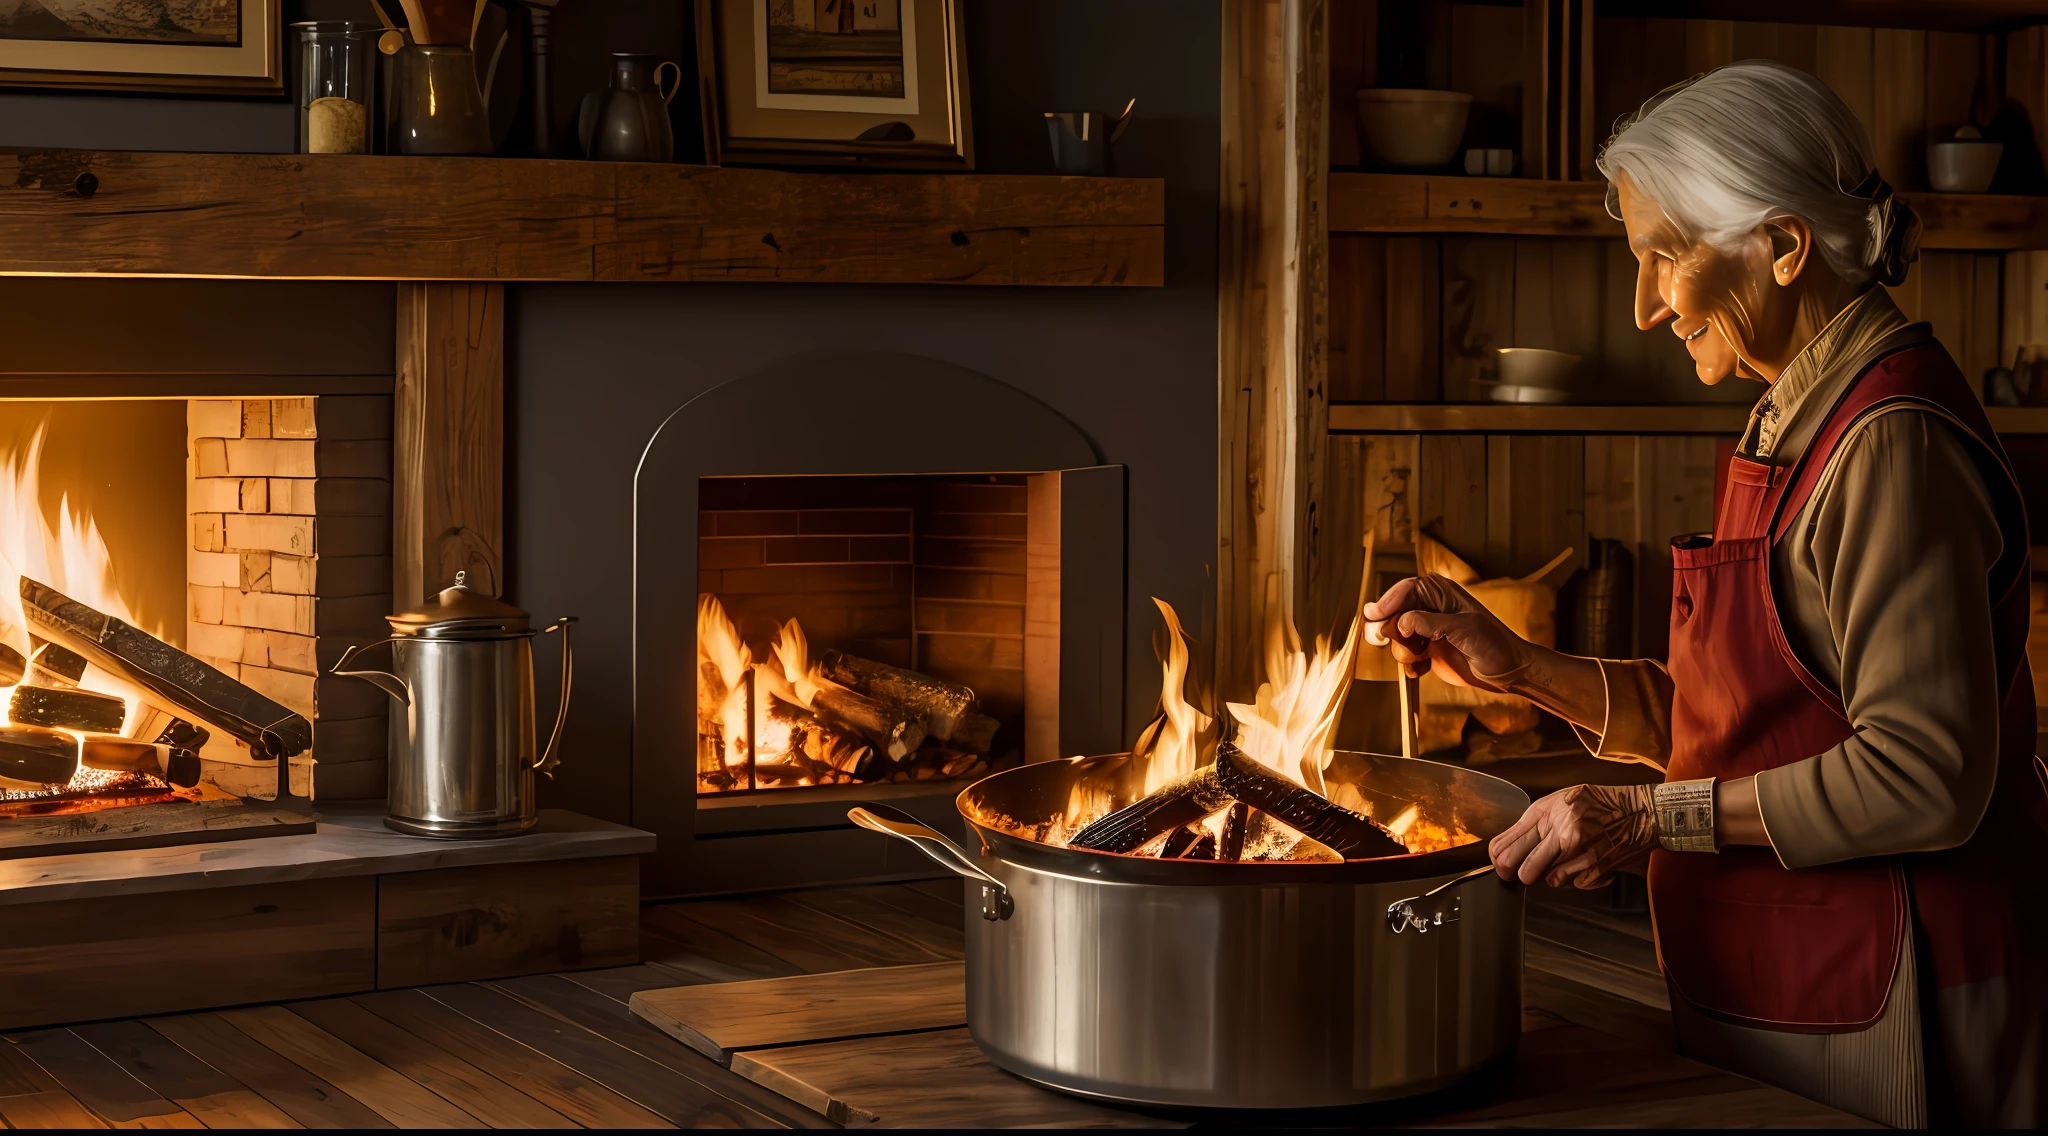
{"type": "Point", "coordinates": [231, 47]}
{"type": "Point", "coordinates": [833, 83]}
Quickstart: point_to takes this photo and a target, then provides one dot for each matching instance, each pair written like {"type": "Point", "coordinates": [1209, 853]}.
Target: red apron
{"type": "Point", "coordinates": [1814, 950]}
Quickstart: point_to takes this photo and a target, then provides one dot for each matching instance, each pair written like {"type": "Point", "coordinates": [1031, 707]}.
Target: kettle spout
{"type": "Point", "coordinates": [389, 683]}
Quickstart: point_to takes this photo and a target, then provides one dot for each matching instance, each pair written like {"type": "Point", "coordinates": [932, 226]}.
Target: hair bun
{"type": "Point", "coordinates": [1894, 236]}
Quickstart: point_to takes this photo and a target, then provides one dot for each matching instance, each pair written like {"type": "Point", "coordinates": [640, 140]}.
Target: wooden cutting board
{"type": "Point", "coordinates": [721, 1019]}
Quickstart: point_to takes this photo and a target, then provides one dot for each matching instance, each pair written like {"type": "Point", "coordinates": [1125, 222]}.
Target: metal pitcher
{"type": "Point", "coordinates": [462, 667]}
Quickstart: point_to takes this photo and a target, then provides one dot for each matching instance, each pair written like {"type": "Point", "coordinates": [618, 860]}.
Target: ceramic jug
{"type": "Point", "coordinates": [628, 122]}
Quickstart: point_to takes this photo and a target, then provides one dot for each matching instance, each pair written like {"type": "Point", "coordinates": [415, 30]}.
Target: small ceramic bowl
{"type": "Point", "coordinates": [1963, 167]}
{"type": "Point", "coordinates": [1535, 367]}
{"type": "Point", "coordinates": [1514, 392]}
{"type": "Point", "coordinates": [1411, 130]}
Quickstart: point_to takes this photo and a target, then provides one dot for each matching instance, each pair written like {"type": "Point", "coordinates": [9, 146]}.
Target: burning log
{"type": "Point", "coordinates": [55, 667]}
{"type": "Point", "coordinates": [891, 730]}
{"type": "Point", "coordinates": [1354, 836]}
{"type": "Point", "coordinates": [179, 767]}
{"type": "Point", "coordinates": [1181, 802]}
{"type": "Point", "coordinates": [942, 704]}
{"type": "Point", "coordinates": [80, 710]}
{"type": "Point", "coordinates": [34, 759]}
{"type": "Point", "coordinates": [1235, 824]}
{"type": "Point", "coordinates": [268, 729]}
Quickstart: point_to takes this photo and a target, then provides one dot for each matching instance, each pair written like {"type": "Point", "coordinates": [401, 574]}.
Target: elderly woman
{"type": "Point", "coordinates": [1845, 858]}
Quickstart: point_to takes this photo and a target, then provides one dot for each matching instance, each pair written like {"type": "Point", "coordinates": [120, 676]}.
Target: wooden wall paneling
{"type": "Point", "coordinates": [1478, 310]}
{"type": "Point", "coordinates": [1635, 58]}
{"type": "Point", "coordinates": [2026, 90]}
{"type": "Point", "coordinates": [1358, 318]}
{"type": "Point", "coordinates": [1557, 62]}
{"type": "Point", "coordinates": [1958, 292]}
{"type": "Point", "coordinates": [448, 453]}
{"type": "Point", "coordinates": [498, 921]}
{"type": "Point", "coordinates": [1414, 360]}
{"type": "Point", "coordinates": [1987, 304]}
{"type": "Point", "coordinates": [1547, 510]}
{"type": "Point", "coordinates": [1842, 60]}
{"type": "Point", "coordinates": [1636, 366]}
{"type": "Point", "coordinates": [1273, 414]}
{"type": "Point", "coordinates": [1612, 506]}
{"type": "Point", "coordinates": [2024, 306]}
{"type": "Point", "coordinates": [1559, 286]}
{"type": "Point", "coordinates": [1898, 122]}
{"type": "Point", "coordinates": [1388, 469]}
{"type": "Point", "coordinates": [1340, 535]}
{"type": "Point", "coordinates": [1450, 496]}
{"type": "Point", "coordinates": [1486, 62]}
{"type": "Point", "coordinates": [1950, 79]}
{"type": "Point", "coordinates": [1354, 65]}
{"type": "Point", "coordinates": [1498, 553]}
{"type": "Point", "coordinates": [1791, 44]}
{"type": "Point", "coordinates": [1708, 44]}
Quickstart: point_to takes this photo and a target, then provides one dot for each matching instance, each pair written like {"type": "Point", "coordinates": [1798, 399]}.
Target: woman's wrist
{"type": "Point", "coordinates": [1568, 686]}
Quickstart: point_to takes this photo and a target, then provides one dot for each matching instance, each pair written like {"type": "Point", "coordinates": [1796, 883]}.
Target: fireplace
{"type": "Point", "coordinates": [860, 577]}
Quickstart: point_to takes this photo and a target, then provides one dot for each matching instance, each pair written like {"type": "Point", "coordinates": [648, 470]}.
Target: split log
{"type": "Point", "coordinates": [179, 767]}
{"type": "Point", "coordinates": [33, 759]}
{"type": "Point", "coordinates": [1180, 802]}
{"type": "Point", "coordinates": [1236, 823]}
{"type": "Point", "coordinates": [1354, 836]}
{"type": "Point", "coordinates": [892, 730]}
{"type": "Point", "coordinates": [943, 705]}
{"type": "Point", "coordinates": [975, 733]}
{"type": "Point", "coordinates": [1181, 842]}
{"type": "Point", "coordinates": [81, 710]}
{"type": "Point", "coordinates": [52, 665]}
{"type": "Point", "coordinates": [269, 730]}
{"type": "Point", "coordinates": [182, 735]}
{"type": "Point", "coordinates": [1202, 848]}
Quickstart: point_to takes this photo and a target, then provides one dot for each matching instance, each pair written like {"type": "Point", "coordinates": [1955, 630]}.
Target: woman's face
{"type": "Point", "coordinates": [1729, 305]}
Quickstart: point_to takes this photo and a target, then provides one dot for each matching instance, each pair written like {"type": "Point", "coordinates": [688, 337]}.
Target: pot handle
{"type": "Point", "coordinates": [1414, 912]}
{"type": "Point", "coordinates": [995, 898]}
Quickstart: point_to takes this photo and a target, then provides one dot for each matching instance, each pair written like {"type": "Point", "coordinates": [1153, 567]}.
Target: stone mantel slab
{"type": "Point", "coordinates": [347, 843]}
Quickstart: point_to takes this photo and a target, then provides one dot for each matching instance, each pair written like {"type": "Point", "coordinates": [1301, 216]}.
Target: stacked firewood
{"type": "Point", "coordinates": [867, 722]}
{"type": "Point", "coordinates": [66, 743]}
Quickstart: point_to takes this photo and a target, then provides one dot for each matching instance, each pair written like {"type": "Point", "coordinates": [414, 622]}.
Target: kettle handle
{"type": "Point", "coordinates": [389, 683]}
{"type": "Point", "coordinates": [550, 759]}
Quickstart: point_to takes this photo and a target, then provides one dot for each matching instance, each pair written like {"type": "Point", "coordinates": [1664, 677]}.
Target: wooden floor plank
{"type": "Point", "coordinates": [1600, 973]}
{"type": "Point", "coordinates": [20, 1076]}
{"type": "Point", "coordinates": [474, 1091]}
{"type": "Point", "coordinates": [948, 889]}
{"type": "Point", "coordinates": [561, 996]}
{"type": "Point", "coordinates": [910, 901]}
{"type": "Point", "coordinates": [156, 1061]}
{"type": "Point", "coordinates": [620, 983]}
{"type": "Point", "coordinates": [863, 906]}
{"type": "Point", "coordinates": [237, 1108]}
{"type": "Point", "coordinates": [539, 1076]}
{"type": "Point", "coordinates": [1563, 925]}
{"type": "Point", "coordinates": [50, 1108]}
{"type": "Point", "coordinates": [923, 1080]}
{"type": "Point", "coordinates": [683, 940]}
{"type": "Point", "coordinates": [390, 1094]}
{"type": "Point", "coordinates": [1597, 1009]}
{"type": "Point", "coordinates": [302, 1096]}
{"type": "Point", "coordinates": [805, 938]}
{"type": "Point", "coordinates": [652, 1086]}
{"type": "Point", "coordinates": [719, 1020]}
{"type": "Point", "coordinates": [91, 1076]}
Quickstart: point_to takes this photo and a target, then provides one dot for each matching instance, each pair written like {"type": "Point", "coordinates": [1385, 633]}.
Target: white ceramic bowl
{"type": "Point", "coordinates": [1513, 392]}
{"type": "Point", "coordinates": [1411, 130]}
{"type": "Point", "coordinates": [1535, 367]}
{"type": "Point", "coordinates": [1963, 167]}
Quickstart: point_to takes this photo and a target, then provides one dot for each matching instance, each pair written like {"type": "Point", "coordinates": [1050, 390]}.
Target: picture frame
{"type": "Point", "coordinates": [861, 83]}
{"type": "Point", "coordinates": [215, 47]}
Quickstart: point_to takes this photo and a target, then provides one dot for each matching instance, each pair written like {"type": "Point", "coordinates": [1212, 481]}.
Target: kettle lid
{"type": "Point", "coordinates": [460, 610]}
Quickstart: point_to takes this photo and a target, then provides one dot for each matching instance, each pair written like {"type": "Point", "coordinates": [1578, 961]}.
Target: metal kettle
{"type": "Point", "coordinates": [462, 668]}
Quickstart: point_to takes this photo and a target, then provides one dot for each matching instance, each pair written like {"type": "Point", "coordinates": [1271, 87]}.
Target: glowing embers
{"type": "Point", "coordinates": [788, 719]}
{"type": "Point", "coordinates": [1266, 795]}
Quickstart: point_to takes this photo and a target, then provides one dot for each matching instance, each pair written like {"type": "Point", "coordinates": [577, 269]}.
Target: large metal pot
{"type": "Point", "coordinates": [1237, 985]}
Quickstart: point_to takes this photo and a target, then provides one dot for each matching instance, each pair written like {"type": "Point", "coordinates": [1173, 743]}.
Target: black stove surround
{"type": "Point", "coordinates": [846, 414]}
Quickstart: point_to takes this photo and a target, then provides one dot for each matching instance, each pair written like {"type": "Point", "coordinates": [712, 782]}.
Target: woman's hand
{"type": "Point", "coordinates": [1436, 626]}
{"type": "Point", "coordinates": [1578, 836]}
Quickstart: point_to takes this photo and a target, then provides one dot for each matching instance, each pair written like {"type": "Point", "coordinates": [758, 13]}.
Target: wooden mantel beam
{"type": "Point", "coordinates": [331, 216]}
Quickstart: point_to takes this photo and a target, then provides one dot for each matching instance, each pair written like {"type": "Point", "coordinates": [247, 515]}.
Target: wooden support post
{"type": "Point", "coordinates": [1273, 320]}
{"type": "Point", "coordinates": [448, 453]}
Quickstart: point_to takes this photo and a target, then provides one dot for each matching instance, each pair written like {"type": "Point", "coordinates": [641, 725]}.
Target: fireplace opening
{"type": "Point", "coordinates": [175, 574]}
{"type": "Point", "coordinates": [861, 629]}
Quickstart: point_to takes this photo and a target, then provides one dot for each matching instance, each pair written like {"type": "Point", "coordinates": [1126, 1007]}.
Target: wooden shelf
{"type": "Point", "coordinates": [68, 212]}
{"type": "Point", "coordinates": [1431, 203]}
{"type": "Point", "coordinates": [1516, 418]}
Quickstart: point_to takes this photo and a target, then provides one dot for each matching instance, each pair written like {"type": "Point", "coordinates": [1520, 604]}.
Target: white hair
{"type": "Point", "coordinates": [1756, 140]}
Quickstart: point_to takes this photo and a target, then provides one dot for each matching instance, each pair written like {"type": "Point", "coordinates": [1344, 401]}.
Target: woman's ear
{"type": "Point", "coordinates": [1791, 243]}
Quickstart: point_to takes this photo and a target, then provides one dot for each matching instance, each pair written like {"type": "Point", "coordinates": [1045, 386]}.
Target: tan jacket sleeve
{"type": "Point", "coordinates": [1886, 580]}
{"type": "Point", "coordinates": [1638, 723]}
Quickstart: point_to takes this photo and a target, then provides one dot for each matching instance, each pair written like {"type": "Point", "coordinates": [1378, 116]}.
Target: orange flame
{"type": "Point", "coordinates": [1179, 740]}
{"type": "Point", "coordinates": [722, 665]}
{"type": "Point", "coordinates": [1290, 724]}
